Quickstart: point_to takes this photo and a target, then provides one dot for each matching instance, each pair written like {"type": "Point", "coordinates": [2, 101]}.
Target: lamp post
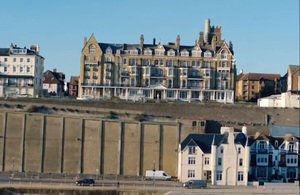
{"type": "Point", "coordinates": [154, 173]}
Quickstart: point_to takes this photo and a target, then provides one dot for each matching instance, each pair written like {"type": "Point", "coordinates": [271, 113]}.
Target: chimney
{"type": "Point", "coordinates": [54, 69]}
{"type": "Point", "coordinates": [84, 41]}
{"type": "Point", "coordinates": [213, 42]}
{"type": "Point", "coordinates": [141, 41]}
{"type": "Point", "coordinates": [201, 38]}
{"type": "Point", "coordinates": [207, 30]}
{"type": "Point", "coordinates": [177, 43]}
{"type": "Point", "coordinates": [230, 46]}
{"type": "Point", "coordinates": [154, 40]}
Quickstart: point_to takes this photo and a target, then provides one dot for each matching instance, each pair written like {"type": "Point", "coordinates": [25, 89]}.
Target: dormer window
{"type": "Point", "coordinates": [184, 53]}
{"type": "Point", "coordinates": [196, 53]}
{"type": "Point", "coordinates": [159, 52]}
{"type": "Point", "coordinates": [208, 54]}
{"type": "Point", "coordinates": [108, 50]}
{"type": "Point", "coordinates": [148, 52]}
{"type": "Point", "coordinates": [276, 143]}
{"type": "Point", "coordinates": [133, 52]}
{"type": "Point", "coordinates": [171, 52]}
{"type": "Point", "coordinates": [92, 49]}
{"type": "Point", "coordinates": [223, 55]}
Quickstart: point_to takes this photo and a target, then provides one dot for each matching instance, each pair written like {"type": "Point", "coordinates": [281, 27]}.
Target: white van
{"type": "Point", "coordinates": [157, 175]}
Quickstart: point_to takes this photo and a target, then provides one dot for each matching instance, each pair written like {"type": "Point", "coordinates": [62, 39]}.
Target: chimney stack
{"type": "Point", "coordinates": [154, 40]}
{"type": "Point", "coordinates": [207, 30]}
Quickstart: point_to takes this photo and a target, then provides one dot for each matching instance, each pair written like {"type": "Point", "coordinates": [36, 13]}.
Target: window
{"type": "Point", "coordinates": [14, 68]}
{"type": "Point", "coordinates": [207, 54]}
{"type": "Point", "coordinates": [171, 53]}
{"type": "Point", "coordinates": [191, 173]}
{"type": "Point", "coordinates": [92, 49]}
{"type": "Point", "coordinates": [240, 176]}
{"type": "Point", "coordinates": [221, 150]}
{"type": "Point", "coordinates": [21, 59]}
{"type": "Point", "coordinates": [27, 69]}
{"type": "Point", "coordinates": [28, 59]}
{"type": "Point", "coordinates": [14, 59]}
{"type": "Point", "coordinates": [206, 160]}
{"type": "Point", "coordinates": [219, 161]}
{"type": "Point", "coordinates": [239, 150]}
{"type": "Point", "coordinates": [219, 175]}
{"type": "Point", "coordinates": [291, 147]}
{"type": "Point", "coordinates": [124, 61]}
{"type": "Point", "coordinates": [240, 162]}
{"type": "Point", "coordinates": [21, 68]}
{"type": "Point", "coordinates": [5, 69]}
{"type": "Point", "coordinates": [5, 59]}
{"type": "Point", "coordinates": [192, 150]}
{"type": "Point", "coordinates": [223, 55]}
{"type": "Point", "coordinates": [192, 160]}
{"type": "Point", "coordinates": [108, 50]}
{"type": "Point", "coordinates": [194, 123]}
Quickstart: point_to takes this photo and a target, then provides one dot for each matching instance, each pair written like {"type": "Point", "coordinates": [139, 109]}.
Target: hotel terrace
{"type": "Point", "coordinates": [204, 71]}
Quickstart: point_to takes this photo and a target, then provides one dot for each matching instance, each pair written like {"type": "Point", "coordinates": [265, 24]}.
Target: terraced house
{"type": "Point", "coordinates": [202, 71]}
{"type": "Point", "coordinates": [21, 71]}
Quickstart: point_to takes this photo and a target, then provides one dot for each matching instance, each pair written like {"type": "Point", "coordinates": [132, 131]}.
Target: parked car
{"type": "Point", "coordinates": [85, 182]}
{"type": "Point", "coordinates": [195, 184]}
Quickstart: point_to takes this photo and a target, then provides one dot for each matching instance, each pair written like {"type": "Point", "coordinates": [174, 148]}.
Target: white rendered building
{"type": "Point", "coordinates": [21, 71]}
{"type": "Point", "coordinates": [284, 100]}
{"type": "Point", "coordinates": [222, 159]}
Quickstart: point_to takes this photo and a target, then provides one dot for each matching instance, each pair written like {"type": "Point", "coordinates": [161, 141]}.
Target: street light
{"type": "Point", "coordinates": [154, 172]}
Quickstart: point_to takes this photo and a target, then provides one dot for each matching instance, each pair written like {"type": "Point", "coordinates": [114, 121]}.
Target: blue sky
{"type": "Point", "coordinates": [265, 33]}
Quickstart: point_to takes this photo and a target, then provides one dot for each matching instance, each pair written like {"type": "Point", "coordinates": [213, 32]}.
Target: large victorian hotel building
{"type": "Point", "coordinates": [202, 71]}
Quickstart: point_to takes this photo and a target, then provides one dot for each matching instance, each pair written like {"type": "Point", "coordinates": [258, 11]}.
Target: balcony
{"type": "Point", "coordinates": [158, 75]}
{"type": "Point", "coordinates": [195, 77]}
{"type": "Point", "coordinates": [108, 77]}
{"type": "Point", "coordinates": [95, 77]}
{"type": "Point", "coordinates": [87, 69]}
{"type": "Point", "coordinates": [262, 150]}
{"type": "Point", "coordinates": [125, 74]}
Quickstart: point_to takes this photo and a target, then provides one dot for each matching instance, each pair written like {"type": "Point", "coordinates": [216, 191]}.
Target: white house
{"type": "Point", "coordinates": [21, 71]}
{"type": "Point", "coordinates": [222, 159]}
{"type": "Point", "coordinates": [284, 100]}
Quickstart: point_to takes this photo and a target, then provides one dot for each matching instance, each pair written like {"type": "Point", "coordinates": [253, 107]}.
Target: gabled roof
{"type": "Point", "coordinates": [258, 76]}
{"type": "Point", "coordinates": [204, 141]}
{"type": "Point", "coordinates": [53, 77]}
{"type": "Point", "coordinates": [293, 68]}
{"type": "Point", "coordinates": [74, 80]}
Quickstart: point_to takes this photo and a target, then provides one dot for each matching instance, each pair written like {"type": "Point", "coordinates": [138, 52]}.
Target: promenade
{"type": "Point", "coordinates": [130, 188]}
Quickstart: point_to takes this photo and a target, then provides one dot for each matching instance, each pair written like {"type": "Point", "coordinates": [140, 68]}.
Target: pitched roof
{"type": "Point", "coordinates": [204, 141]}
{"type": "Point", "coordinates": [293, 68]}
{"type": "Point", "coordinates": [4, 51]}
{"type": "Point", "coordinates": [74, 80]}
{"type": "Point", "coordinates": [257, 76]}
{"type": "Point", "coordinates": [53, 77]}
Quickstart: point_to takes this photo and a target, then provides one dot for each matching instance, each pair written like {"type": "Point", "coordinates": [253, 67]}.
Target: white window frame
{"type": "Point", "coordinates": [191, 173]}
{"type": "Point", "coordinates": [240, 176]}
{"type": "Point", "coordinates": [191, 160]}
{"type": "Point", "coordinates": [219, 176]}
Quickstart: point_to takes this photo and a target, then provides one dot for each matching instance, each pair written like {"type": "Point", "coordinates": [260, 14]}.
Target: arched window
{"type": "Point", "coordinates": [193, 63]}
{"type": "Point", "coordinates": [92, 49]}
{"type": "Point", "coordinates": [223, 55]}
